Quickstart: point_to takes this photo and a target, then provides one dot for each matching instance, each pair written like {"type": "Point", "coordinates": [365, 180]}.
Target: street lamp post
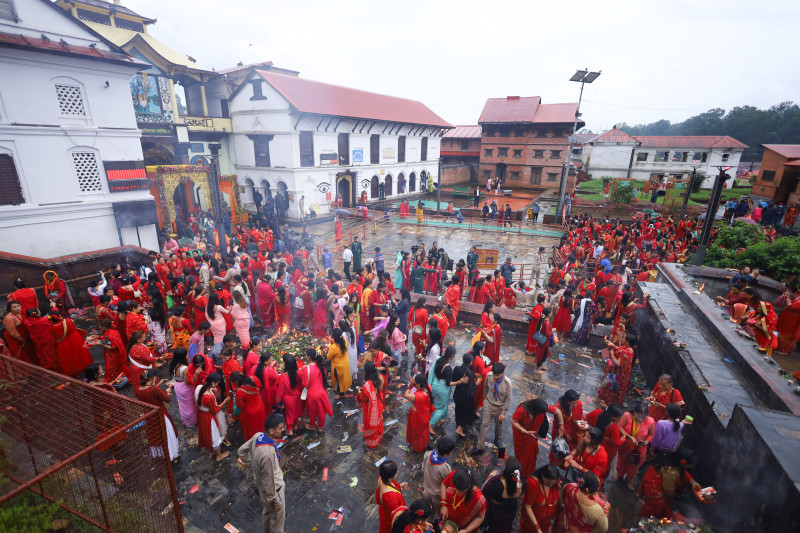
{"type": "Point", "coordinates": [583, 77]}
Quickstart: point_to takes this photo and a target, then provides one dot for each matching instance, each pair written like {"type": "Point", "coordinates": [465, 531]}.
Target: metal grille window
{"type": "Point", "coordinates": [306, 149]}
{"type": "Point", "coordinates": [94, 16]}
{"type": "Point", "coordinates": [502, 152]}
{"type": "Point", "coordinates": [70, 100]}
{"type": "Point", "coordinates": [10, 190]}
{"type": "Point", "coordinates": [87, 171]}
{"type": "Point", "coordinates": [128, 25]}
{"type": "Point", "coordinates": [7, 10]}
{"type": "Point", "coordinates": [552, 176]}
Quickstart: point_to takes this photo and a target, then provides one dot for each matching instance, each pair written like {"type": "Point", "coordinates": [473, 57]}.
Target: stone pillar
{"type": "Point", "coordinates": [181, 153]}
{"type": "Point", "coordinates": [203, 99]}
{"type": "Point", "coordinates": [175, 114]}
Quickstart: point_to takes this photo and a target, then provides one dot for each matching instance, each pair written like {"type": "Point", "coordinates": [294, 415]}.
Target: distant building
{"type": "Point", "coordinates": [72, 176]}
{"type": "Point", "coordinates": [652, 158]}
{"type": "Point", "coordinates": [300, 138]}
{"type": "Point", "coordinates": [779, 175]}
{"type": "Point", "coordinates": [525, 142]}
{"type": "Point", "coordinates": [461, 155]}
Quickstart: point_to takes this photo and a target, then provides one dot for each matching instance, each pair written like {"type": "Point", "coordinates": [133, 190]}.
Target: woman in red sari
{"type": "Point", "coordinates": [211, 423]}
{"type": "Point", "coordinates": [43, 342]}
{"type": "Point", "coordinates": [199, 304]}
{"type": "Point", "coordinates": [543, 350]}
{"type": "Point", "coordinates": [25, 296]}
{"type": "Point", "coordinates": [463, 505]}
{"type": "Point", "coordinates": [266, 301]}
{"type": "Point", "coordinates": [338, 228]}
{"type": "Point", "coordinates": [56, 291]}
{"type": "Point", "coordinates": [320, 315]}
{"type": "Point", "coordinates": [583, 511]}
{"type": "Point", "coordinates": [290, 386]}
{"type": "Point", "coordinates": [418, 432]}
{"type": "Point", "coordinates": [317, 402]}
{"type": "Point", "coordinates": [283, 312]}
{"type": "Point", "coordinates": [140, 358]}
{"type": "Point", "coordinates": [371, 403]}
{"type": "Point", "coordinates": [248, 401]}
{"type": "Point", "coordinates": [418, 319]}
{"type": "Point", "coordinates": [525, 427]}
{"type": "Point", "coordinates": [73, 357]}
{"type": "Point", "coordinates": [268, 377]}
{"type": "Point", "coordinates": [499, 288]}
{"type": "Point", "coordinates": [149, 392]}
{"type": "Point", "coordinates": [617, 380]}
{"type": "Point", "coordinates": [405, 268]}
{"type": "Point", "coordinates": [788, 325]}
{"type": "Point", "coordinates": [590, 455]}
{"type": "Point", "coordinates": [389, 496]}
{"type": "Point", "coordinates": [607, 421]}
{"type": "Point", "coordinates": [16, 335]}
{"type": "Point", "coordinates": [562, 322]}
{"type": "Point", "coordinates": [540, 502]}
{"type": "Point", "coordinates": [762, 322]}
{"type": "Point", "coordinates": [134, 320]}
{"type": "Point", "coordinates": [639, 430]}
{"type": "Point", "coordinates": [113, 351]}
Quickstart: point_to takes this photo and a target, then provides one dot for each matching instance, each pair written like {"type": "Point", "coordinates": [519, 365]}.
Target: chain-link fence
{"type": "Point", "coordinates": [76, 456]}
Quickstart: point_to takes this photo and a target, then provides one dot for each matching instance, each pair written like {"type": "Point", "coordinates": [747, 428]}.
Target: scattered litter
{"type": "Point", "coordinates": [584, 365]}
{"type": "Point", "coordinates": [314, 445]}
{"type": "Point", "coordinates": [194, 489]}
{"type": "Point", "coordinates": [390, 422]}
{"type": "Point", "coordinates": [404, 447]}
{"type": "Point", "coordinates": [118, 478]}
{"type": "Point", "coordinates": [379, 462]}
{"type": "Point", "coordinates": [297, 438]}
{"type": "Point", "coordinates": [544, 445]}
{"type": "Point", "coordinates": [346, 436]}
{"type": "Point", "coordinates": [354, 480]}
{"type": "Point", "coordinates": [325, 474]}
{"type": "Point", "coordinates": [339, 519]}
{"type": "Point", "coordinates": [344, 449]}
{"type": "Point", "coordinates": [230, 529]}
{"type": "Point", "coordinates": [333, 515]}
{"type": "Point", "coordinates": [728, 360]}
{"type": "Point", "coordinates": [350, 412]}
{"type": "Point", "coordinates": [181, 502]}
{"type": "Point", "coordinates": [584, 355]}
{"type": "Point", "coordinates": [562, 356]}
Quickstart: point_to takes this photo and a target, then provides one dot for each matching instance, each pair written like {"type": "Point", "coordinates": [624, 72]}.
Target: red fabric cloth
{"type": "Point", "coordinates": [535, 314]}
{"type": "Point", "coordinates": [480, 370]}
{"type": "Point", "coordinates": [543, 350]}
{"type": "Point", "coordinates": [623, 372]}
{"type": "Point", "coordinates": [27, 299]}
{"type": "Point", "coordinates": [205, 419]}
{"type": "Point", "coordinates": [463, 512]}
{"type": "Point", "coordinates": [596, 462]}
{"type": "Point", "coordinates": [320, 319]}
{"type": "Point", "coordinates": [526, 447]}
{"type": "Point", "coordinates": [317, 402]}
{"type": "Point", "coordinates": [269, 386]}
{"type": "Point", "coordinates": [453, 298]}
{"type": "Point", "coordinates": [283, 314]}
{"type": "Point", "coordinates": [372, 409]}
{"type": "Point", "coordinates": [418, 317]}
{"type": "Point", "coordinates": [570, 425]}
{"type": "Point", "coordinates": [251, 409]}
{"type": "Point", "coordinates": [157, 397]}
{"type": "Point", "coordinates": [419, 418]}
{"type": "Point", "coordinates": [201, 377]}
{"type": "Point", "coordinates": [291, 397]}
{"type": "Point", "coordinates": [388, 504]}
{"type": "Point", "coordinates": [672, 395]}
{"type": "Point", "coordinates": [73, 357]}
{"type": "Point", "coordinates": [543, 505]}
{"type": "Point", "coordinates": [134, 322]}
{"type": "Point", "coordinates": [43, 342]}
{"type": "Point", "coordinates": [114, 356]}
{"type": "Point", "coordinates": [642, 432]}
{"type": "Point", "coordinates": [141, 354]}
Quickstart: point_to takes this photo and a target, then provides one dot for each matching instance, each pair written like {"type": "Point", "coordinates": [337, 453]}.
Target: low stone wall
{"type": "Point", "coordinates": [470, 313]}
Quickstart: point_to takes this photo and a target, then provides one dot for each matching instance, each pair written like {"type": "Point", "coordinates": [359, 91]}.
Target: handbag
{"type": "Point", "coordinates": [476, 337]}
{"type": "Point", "coordinates": [417, 330]}
{"type": "Point", "coordinates": [298, 302]}
{"type": "Point", "coordinates": [539, 337]}
{"type": "Point", "coordinates": [304, 394]}
{"type": "Point", "coordinates": [634, 458]}
{"type": "Point", "coordinates": [573, 475]}
{"type": "Point", "coordinates": [544, 428]}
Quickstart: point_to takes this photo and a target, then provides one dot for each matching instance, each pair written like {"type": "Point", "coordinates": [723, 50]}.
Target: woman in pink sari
{"type": "Point", "coordinates": [369, 399]}
{"type": "Point", "coordinates": [241, 319]}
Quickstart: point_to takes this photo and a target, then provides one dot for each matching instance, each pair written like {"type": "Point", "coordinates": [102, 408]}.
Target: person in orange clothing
{"type": "Point", "coordinates": [73, 357]}
{"type": "Point", "coordinates": [452, 295]}
{"type": "Point", "coordinates": [499, 288]}
{"type": "Point", "coordinates": [607, 421]}
{"type": "Point", "coordinates": [540, 501]}
{"type": "Point", "coordinates": [417, 319]}
{"type": "Point", "coordinates": [134, 320]}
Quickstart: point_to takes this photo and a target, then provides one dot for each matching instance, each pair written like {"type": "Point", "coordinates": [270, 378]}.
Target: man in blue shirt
{"type": "Point", "coordinates": [379, 263]}
{"type": "Point", "coordinates": [327, 258]}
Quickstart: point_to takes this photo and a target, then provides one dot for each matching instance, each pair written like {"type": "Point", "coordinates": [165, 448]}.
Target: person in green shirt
{"type": "Point", "coordinates": [418, 277]}
{"type": "Point", "coordinates": [356, 249]}
{"type": "Point", "coordinates": [472, 262]}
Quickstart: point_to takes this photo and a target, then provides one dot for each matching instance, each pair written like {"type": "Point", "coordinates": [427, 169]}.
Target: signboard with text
{"type": "Point", "coordinates": [358, 156]}
{"type": "Point", "coordinates": [126, 176]}
{"type": "Point", "coordinates": [487, 258]}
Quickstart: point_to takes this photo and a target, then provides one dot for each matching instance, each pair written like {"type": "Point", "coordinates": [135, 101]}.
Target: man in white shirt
{"type": "Point", "coordinates": [347, 258]}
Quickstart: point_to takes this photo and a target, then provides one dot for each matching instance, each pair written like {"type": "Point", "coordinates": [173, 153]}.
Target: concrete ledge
{"type": "Point", "coordinates": [470, 313]}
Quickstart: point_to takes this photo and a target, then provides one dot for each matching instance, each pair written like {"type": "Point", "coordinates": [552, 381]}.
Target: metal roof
{"type": "Point", "coordinates": [509, 109]}
{"type": "Point", "coordinates": [110, 6]}
{"type": "Point", "coordinates": [333, 100]}
{"type": "Point", "coordinates": [689, 141]}
{"type": "Point", "coordinates": [21, 41]}
{"type": "Point", "coordinates": [464, 132]}
{"type": "Point", "coordinates": [614, 136]}
{"type": "Point", "coordinates": [790, 151]}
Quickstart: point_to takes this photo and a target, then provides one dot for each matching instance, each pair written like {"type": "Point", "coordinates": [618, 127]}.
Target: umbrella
{"type": "Point", "coordinates": [746, 220]}
{"type": "Point", "coordinates": [717, 216]}
{"type": "Point", "coordinates": [344, 212]}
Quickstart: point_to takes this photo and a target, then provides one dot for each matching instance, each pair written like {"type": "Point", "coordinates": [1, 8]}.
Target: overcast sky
{"type": "Point", "coordinates": [658, 59]}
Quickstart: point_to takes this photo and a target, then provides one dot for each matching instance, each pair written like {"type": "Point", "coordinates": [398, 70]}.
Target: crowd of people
{"type": "Point", "coordinates": [204, 317]}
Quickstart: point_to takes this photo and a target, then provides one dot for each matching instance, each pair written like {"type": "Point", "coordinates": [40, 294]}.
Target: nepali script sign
{"type": "Point", "coordinates": [487, 258]}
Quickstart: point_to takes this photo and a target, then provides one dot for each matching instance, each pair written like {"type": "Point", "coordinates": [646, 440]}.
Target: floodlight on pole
{"type": "Point", "coordinates": [583, 77]}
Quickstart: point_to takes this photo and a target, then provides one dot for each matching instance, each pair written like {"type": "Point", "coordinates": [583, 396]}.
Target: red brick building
{"type": "Point", "coordinates": [779, 175]}
{"type": "Point", "coordinates": [460, 154]}
{"type": "Point", "coordinates": [525, 142]}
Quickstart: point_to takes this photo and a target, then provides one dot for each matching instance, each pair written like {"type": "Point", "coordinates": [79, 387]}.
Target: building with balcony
{"type": "Point", "coordinates": [779, 174]}
{"type": "Point", "coordinates": [524, 142]}
{"type": "Point", "coordinates": [311, 140]}
{"type": "Point", "coordinates": [72, 176]}
{"type": "Point", "coordinates": [461, 155]}
{"type": "Point", "coordinates": [658, 157]}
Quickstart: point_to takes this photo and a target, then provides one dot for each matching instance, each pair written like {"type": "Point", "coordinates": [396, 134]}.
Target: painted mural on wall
{"type": "Point", "coordinates": [145, 94]}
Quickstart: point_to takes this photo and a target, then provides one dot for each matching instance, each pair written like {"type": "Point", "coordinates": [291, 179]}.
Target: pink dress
{"type": "Point", "coordinates": [218, 325]}
{"type": "Point", "coordinates": [241, 323]}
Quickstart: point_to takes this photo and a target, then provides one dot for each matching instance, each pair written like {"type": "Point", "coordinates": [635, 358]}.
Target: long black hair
{"type": "Point", "coordinates": [290, 367]}
{"type": "Point", "coordinates": [419, 303]}
{"type": "Point", "coordinates": [512, 473]}
{"type": "Point", "coordinates": [371, 373]}
{"type": "Point", "coordinates": [339, 339]}
{"type": "Point", "coordinates": [345, 327]}
{"type": "Point", "coordinates": [563, 402]}
{"type": "Point", "coordinates": [315, 356]}
{"type": "Point", "coordinates": [417, 513]}
{"type": "Point", "coordinates": [436, 340]}
{"type": "Point", "coordinates": [604, 419]}
{"type": "Point", "coordinates": [463, 482]}
{"type": "Point", "coordinates": [213, 378]}
{"type": "Point", "coordinates": [674, 412]}
{"type": "Point", "coordinates": [179, 357]}
{"type": "Point", "coordinates": [263, 360]}
{"type": "Point", "coordinates": [213, 302]}
{"type": "Point", "coordinates": [422, 384]}
{"type": "Point", "coordinates": [438, 366]}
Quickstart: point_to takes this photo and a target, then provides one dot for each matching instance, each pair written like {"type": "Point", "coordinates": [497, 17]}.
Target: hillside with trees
{"type": "Point", "coordinates": [780, 124]}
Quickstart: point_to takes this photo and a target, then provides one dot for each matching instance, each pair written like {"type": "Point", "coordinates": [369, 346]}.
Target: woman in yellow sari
{"type": "Point", "coordinates": [419, 212]}
{"type": "Point", "coordinates": [340, 363]}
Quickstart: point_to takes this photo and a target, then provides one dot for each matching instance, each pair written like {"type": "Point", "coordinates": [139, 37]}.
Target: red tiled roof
{"type": "Point", "coordinates": [333, 100]}
{"type": "Point", "coordinates": [792, 164]}
{"type": "Point", "coordinates": [689, 141]}
{"type": "Point", "coordinates": [614, 136]}
{"type": "Point", "coordinates": [790, 151]}
{"type": "Point", "coordinates": [584, 138]}
{"type": "Point", "coordinates": [51, 46]}
{"type": "Point", "coordinates": [509, 109]}
{"type": "Point", "coordinates": [554, 113]}
{"type": "Point", "coordinates": [464, 132]}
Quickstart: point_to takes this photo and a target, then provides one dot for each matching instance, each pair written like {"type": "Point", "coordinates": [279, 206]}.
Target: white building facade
{"type": "Point", "coordinates": [71, 168]}
{"type": "Point", "coordinates": [315, 141]}
{"type": "Point", "coordinates": [654, 157]}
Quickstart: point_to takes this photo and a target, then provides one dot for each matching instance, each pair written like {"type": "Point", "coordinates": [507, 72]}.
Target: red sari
{"type": "Point", "coordinates": [526, 447]}
{"type": "Point", "coordinates": [27, 299]}
{"type": "Point", "coordinates": [388, 504]}
{"type": "Point", "coordinates": [419, 419]}
{"type": "Point", "coordinates": [251, 409]}
{"type": "Point", "coordinates": [543, 505]}
{"type": "Point", "coordinates": [268, 388]}
{"type": "Point", "coordinates": [43, 342]}
{"type": "Point", "coordinates": [317, 402]}
{"type": "Point", "coordinates": [463, 512]}
{"type": "Point", "coordinates": [141, 359]}
{"type": "Point", "coordinates": [114, 356]}
{"type": "Point", "coordinates": [372, 410]}
{"type": "Point", "coordinates": [788, 325]}
{"type": "Point", "coordinates": [535, 314]}
{"type": "Point", "coordinates": [480, 370]}
{"type": "Point", "coordinates": [206, 417]}
{"type": "Point", "coordinates": [134, 322]}
{"type": "Point", "coordinates": [622, 372]}
{"type": "Point", "coordinates": [453, 298]}
{"type": "Point", "coordinates": [575, 517]}
{"type": "Point", "coordinates": [418, 317]}
{"type": "Point", "coordinates": [73, 357]}
{"type": "Point", "coordinates": [20, 349]}
{"type": "Point", "coordinates": [320, 319]}
{"type": "Point", "coordinates": [283, 314]}
{"type": "Point", "coordinates": [291, 396]}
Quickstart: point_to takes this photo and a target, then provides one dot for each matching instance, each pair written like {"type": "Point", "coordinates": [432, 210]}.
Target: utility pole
{"type": "Point", "coordinates": [630, 163]}
{"type": "Point", "coordinates": [711, 214]}
{"type": "Point", "coordinates": [688, 192]}
{"type": "Point", "coordinates": [216, 197]}
{"type": "Point", "coordinates": [583, 77]}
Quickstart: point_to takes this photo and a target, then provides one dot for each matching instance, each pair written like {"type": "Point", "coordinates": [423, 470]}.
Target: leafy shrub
{"type": "Point", "coordinates": [744, 244]}
{"type": "Point", "coordinates": [622, 195]}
